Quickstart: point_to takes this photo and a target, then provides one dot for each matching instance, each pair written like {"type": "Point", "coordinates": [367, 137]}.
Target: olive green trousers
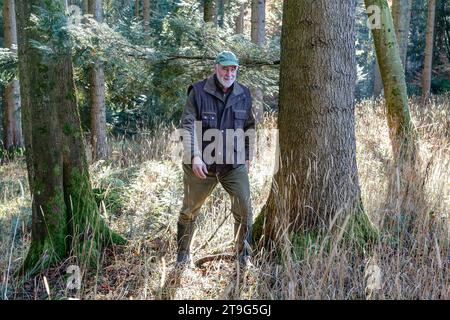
{"type": "Point", "coordinates": [196, 191]}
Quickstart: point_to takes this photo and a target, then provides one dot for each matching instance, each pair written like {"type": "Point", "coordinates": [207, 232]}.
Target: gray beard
{"type": "Point", "coordinates": [227, 84]}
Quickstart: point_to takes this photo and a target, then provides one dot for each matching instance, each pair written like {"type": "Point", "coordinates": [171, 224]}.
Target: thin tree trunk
{"type": "Point", "coordinates": [239, 22]}
{"type": "Point", "coordinates": [377, 82]}
{"type": "Point", "coordinates": [401, 14]}
{"type": "Point", "coordinates": [65, 217]}
{"type": "Point", "coordinates": [146, 13]}
{"type": "Point", "coordinates": [428, 61]}
{"type": "Point", "coordinates": [258, 26]}
{"type": "Point", "coordinates": [222, 11]}
{"type": "Point", "coordinates": [12, 121]}
{"type": "Point", "coordinates": [405, 188]}
{"type": "Point", "coordinates": [12, 117]}
{"type": "Point", "coordinates": [317, 179]}
{"type": "Point", "coordinates": [258, 34]}
{"type": "Point", "coordinates": [85, 6]}
{"type": "Point", "coordinates": [137, 3]}
{"type": "Point", "coordinates": [393, 76]}
{"type": "Point", "coordinates": [209, 11]}
{"type": "Point", "coordinates": [98, 108]}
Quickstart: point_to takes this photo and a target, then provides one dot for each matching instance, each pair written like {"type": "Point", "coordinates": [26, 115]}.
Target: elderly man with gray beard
{"type": "Point", "coordinates": [221, 108]}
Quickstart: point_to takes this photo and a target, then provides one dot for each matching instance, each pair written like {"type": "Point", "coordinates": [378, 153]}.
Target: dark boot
{"type": "Point", "coordinates": [184, 238]}
{"type": "Point", "coordinates": [242, 236]}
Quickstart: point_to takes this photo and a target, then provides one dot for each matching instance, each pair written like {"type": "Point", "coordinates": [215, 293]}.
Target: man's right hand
{"type": "Point", "coordinates": [199, 167]}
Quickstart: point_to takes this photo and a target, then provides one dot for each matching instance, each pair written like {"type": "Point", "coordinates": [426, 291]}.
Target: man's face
{"type": "Point", "coordinates": [226, 75]}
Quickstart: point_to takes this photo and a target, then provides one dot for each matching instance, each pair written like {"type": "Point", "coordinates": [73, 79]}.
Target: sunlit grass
{"type": "Point", "coordinates": [142, 185]}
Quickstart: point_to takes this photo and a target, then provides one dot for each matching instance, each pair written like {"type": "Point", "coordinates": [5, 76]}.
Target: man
{"type": "Point", "coordinates": [222, 108]}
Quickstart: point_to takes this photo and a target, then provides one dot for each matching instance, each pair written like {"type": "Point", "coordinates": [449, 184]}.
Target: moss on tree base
{"type": "Point", "coordinates": [356, 231]}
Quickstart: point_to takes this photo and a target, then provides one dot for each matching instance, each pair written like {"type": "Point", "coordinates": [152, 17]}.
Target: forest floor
{"type": "Point", "coordinates": [141, 188]}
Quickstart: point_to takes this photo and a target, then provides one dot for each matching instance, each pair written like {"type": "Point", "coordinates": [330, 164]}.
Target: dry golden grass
{"type": "Point", "coordinates": [145, 185]}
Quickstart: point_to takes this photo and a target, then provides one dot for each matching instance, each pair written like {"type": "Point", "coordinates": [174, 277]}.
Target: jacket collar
{"type": "Point", "coordinates": [211, 88]}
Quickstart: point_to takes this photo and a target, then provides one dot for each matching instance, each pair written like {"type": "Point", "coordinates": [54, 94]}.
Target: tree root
{"type": "Point", "coordinates": [215, 257]}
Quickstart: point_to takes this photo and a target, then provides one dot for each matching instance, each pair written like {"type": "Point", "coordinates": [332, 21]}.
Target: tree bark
{"type": "Point", "coordinates": [97, 95]}
{"type": "Point", "coordinates": [12, 118]}
{"type": "Point", "coordinates": [239, 22]}
{"type": "Point", "coordinates": [65, 217]}
{"type": "Point", "coordinates": [401, 14]}
{"type": "Point", "coordinates": [85, 8]}
{"type": "Point", "coordinates": [146, 13]}
{"type": "Point", "coordinates": [317, 179]}
{"type": "Point", "coordinates": [209, 11]}
{"type": "Point", "coordinates": [220, 13]}
{"type": "Point", "coordinates": [393, 76]}
{"type": "Point", "coordinates": [258, 26]}
{"type": "Point", "coordinates": [428, 60]}
{"type": "Point", "coordinates": [258, 34]}
{"type": "Point", "coordinates": [405, 187]}
{"type": "Point", "coordinates": [377, 82]}
{"type": "Point", "coordinates": [137, 3]}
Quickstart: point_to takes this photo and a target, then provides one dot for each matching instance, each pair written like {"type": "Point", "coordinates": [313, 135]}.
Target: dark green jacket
{"type": "Point", "coordinates": [204, 104]}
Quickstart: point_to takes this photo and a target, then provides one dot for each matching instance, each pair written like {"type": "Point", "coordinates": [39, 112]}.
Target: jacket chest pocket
{"type": "Point", "coordinates": [239, 118]}
{"type": "Point", "coordinates": [209, 119]}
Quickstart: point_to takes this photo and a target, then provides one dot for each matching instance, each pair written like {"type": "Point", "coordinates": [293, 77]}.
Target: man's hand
{"type": "Point", "coordinates": [199, 167]}
{"type": "Point", "coordinates": [247, 164]}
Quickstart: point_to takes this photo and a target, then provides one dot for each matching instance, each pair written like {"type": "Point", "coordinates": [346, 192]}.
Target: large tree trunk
{"type": "Point", "coordinates": [401, 14]}
{"type": "Point", "coordinates": [65, 216]}
{"type": "Point", "coordinates": [12, 119]}
{"type": "Point", "coordinates": [317, 179]}
{"type": "Point", "coordinates": [258, 34]}
{"type": "Point", "coordinates": [239, 22]}
{"type": "Point", "coordinates": [43, 147]}
{"type": "Point", "coordinates": [98, 108]}
{"type": "Point", "coordinates": [428, 61]}
{"type": "Point", "coordinates": [209, 11]}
